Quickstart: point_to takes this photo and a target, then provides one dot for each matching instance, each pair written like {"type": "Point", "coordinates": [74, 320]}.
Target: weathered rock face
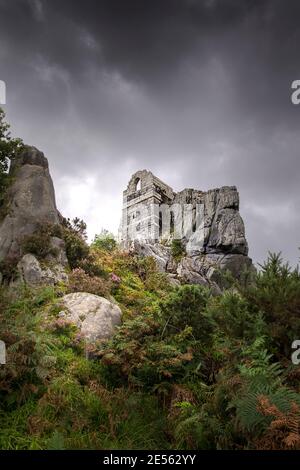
{"type": "Point", "coordinates": [31, 201]}
{"type": "Point", "coordinates": [161, 253]}
{"type": "Point", "coordinates": [222, 229]}
{"type": "Point", "coordinates": [31, 272]}
{"type": "Point", "coordinates": [96, 317]}
{"type": "Point", "coordinates": [208, 268]}
{"type": "Point", "coordinates": [214, 241]}
{"type": "Point", "coordinates": [31, 204]}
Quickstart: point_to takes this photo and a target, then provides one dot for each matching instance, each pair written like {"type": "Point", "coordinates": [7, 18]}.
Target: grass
{"type": "Point", "coordinates": [52, 397]}
{"type": "Point", "coordinates": [158, 384]}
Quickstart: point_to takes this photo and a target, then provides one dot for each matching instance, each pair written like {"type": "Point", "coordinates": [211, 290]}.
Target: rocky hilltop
{"type": "Point", "coordinates": [218, 245]}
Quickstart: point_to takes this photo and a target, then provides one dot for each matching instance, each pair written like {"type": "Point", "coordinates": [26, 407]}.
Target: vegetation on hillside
{"type": "Point", "coordinates": [186, 369]}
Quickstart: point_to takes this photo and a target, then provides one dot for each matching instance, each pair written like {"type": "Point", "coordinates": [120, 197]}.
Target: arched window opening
{"type": "Point", "coordinates": [138, 184]}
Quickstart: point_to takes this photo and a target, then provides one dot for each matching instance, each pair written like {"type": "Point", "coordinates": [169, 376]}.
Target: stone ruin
{"type": "Point", "coordinates": [144, 194]}
{"type": "Point", "coordinates": [208, 224]}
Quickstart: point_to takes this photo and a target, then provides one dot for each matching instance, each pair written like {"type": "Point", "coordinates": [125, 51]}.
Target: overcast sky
{"type": "Point", "coordinates": [197, 91]}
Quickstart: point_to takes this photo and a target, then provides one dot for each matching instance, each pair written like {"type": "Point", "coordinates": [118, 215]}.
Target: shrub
{"type": "Point", "coordinates": [104, 241]}
{"type": "Point", "coordinates": [139, 355]}
{"type": "Point", "coordinates": [177, 249]}
{"type": "Point", "coordinates": [8, 268]}
{"type": "Point", "coordinates": [30, 359]}
{"type": "Point", "coordinates": [235, 317]}
{"type": "Point", "coordinates": [146, 269]}
{"type": "Point", "coordinates": [276, 293]}
{"type": "Point", "coordinates": [39, 243]}
{"type": "Point", "coordinates": [9, 148]}
{"type": "Point", "coordinates": [185, 370]}
{"type": "Point", "coordinates": [184, 307]}
{"type": "Point", "coordinates": [76, 248]}
{"type": "Point", "coordinates": [80, 281]}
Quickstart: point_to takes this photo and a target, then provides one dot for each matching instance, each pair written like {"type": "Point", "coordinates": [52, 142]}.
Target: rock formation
{"type": "Point", "coordinates": [208, 224]}
{"type": "Point", "coordinates": [96, 317]}
{"type": "Point", "coordinates": [30, 204]}
{"type": "Point", "coordinates": [32, 273]}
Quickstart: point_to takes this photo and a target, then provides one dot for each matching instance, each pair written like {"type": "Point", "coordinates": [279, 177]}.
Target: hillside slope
{"type": "Point", "coordinates": [186, 369]}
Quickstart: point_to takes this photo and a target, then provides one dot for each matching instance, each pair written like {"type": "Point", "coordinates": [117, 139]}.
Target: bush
{"type": "Point", "coordinates": [138, 355]}
{"type": "Point", "coordinates": [30, 360]}
{"type": "Point", "coordinates": [76, 248]}
{"type": "Point", "coordinates": [186, 307]}
{"type": "Point", "coordinates": [185, 370]}
{"type": "Point", "coordinates": [80, 281]}
{"type": "Point", "coordinates": [39, 243]}
{"type": "Point", "coordinates": [9, 149]}
{"type": "Point", "coordinates": [104, 241]}
{"type": "Point", "coordinates": [235, 317]}
{"type": "Point", "coordinates": [276, 293]}
{"type": "Point", "coordinates": [8, 268]}
{"type": "Point", "coordinates": [177, 249]}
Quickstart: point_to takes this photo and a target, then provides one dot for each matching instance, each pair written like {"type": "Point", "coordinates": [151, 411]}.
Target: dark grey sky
{"type": "Point", "coordinates": [196, 91]}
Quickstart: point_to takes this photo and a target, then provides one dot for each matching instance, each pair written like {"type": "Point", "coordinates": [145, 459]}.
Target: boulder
{"type": "Point", "coordinates": [96, 317]}
{"type": "Point", "coordinates": [58, 247]}
{"type": "Point", "coordinates": [236, 264]}
{"type": "Point", "coordinates": [190, 271]}
{"type": "Point", "coordinates": [210, 268]}
{"type": "Point", "coordinates": [159, 252]}
{"type": "Point", "coordinates": [173, 279]}
{"type": "Point", "coordinates": [32, 273]}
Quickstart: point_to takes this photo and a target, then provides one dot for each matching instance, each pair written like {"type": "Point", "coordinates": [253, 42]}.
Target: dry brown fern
{"type": "Point", "coordinates": [179, 394]}
{"type": "Point", "coordinates": [283, 432]}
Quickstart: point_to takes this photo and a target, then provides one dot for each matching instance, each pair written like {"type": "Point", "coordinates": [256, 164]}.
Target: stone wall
{"type": "Point", "coordinates": [144, 192]}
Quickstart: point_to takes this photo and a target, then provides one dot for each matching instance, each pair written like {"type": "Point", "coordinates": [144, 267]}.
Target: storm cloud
{"type": "Point", "coordinates": [196, 91]}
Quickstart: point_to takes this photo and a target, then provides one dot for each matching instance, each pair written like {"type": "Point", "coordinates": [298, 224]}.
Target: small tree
{"type": "Point", "coordinates": [9, 148]}
{"type": "Point", "coordinates": [105, 241]}
{"type": "Point", "coordinates": [185, 307]}
{"type": "Point", "coordinates": [74, 235]}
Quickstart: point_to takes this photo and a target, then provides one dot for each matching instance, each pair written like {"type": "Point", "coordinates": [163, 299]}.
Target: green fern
{"type": "Point", "coordinates": [248, 416]}
{"type": "Point", "coordinates": [56, 441]}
